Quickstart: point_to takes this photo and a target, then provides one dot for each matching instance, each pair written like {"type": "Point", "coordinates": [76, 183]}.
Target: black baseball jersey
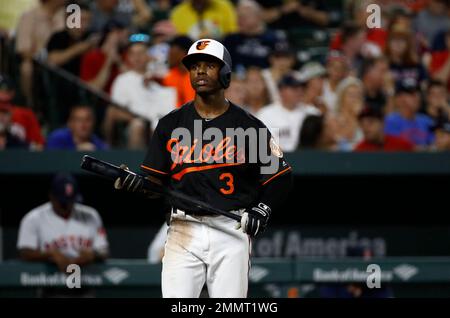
{"type": "Point", "coordinates": [215, 168]}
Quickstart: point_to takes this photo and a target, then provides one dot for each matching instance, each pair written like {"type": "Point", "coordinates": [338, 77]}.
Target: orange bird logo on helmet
{"type": "Point", "coordinates": [202, 45]}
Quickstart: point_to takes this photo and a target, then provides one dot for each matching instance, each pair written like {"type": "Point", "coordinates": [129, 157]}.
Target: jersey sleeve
{"type": "Point", "coordinates": [271, 162]}
{"type": "Point", "coordinates": [28, 233]}
{"type": "Point", "coordinates": [157, 159]}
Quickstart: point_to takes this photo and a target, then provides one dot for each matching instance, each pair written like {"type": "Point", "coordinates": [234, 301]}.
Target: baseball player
{"type": "Point", "coordinates": [203, 248]}
{"type": "Point", "coordinates": [62, 231]}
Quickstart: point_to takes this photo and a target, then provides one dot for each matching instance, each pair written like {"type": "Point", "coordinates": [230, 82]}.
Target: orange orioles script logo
{"type": "Point", "coordinates": [202, 45]}
{"type": "Point", "coordinates": [222, 155]}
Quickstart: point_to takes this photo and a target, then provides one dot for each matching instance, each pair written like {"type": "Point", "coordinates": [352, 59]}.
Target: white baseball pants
{"type": "Point", "coordinates": [205, 249]}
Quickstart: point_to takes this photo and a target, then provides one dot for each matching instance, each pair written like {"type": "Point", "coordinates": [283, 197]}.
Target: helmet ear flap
{"type": "Point", "coordinates": [225, 76]}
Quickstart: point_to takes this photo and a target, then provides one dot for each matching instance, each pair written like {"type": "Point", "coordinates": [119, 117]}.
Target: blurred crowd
{"type": "Point", "coordinates": [383, 88]}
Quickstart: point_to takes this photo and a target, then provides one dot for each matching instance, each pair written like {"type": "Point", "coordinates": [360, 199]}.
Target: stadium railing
{"type": "Point", "coordinates": [122, 277]}
{"type": "Point", "coordinates": [315, 163]}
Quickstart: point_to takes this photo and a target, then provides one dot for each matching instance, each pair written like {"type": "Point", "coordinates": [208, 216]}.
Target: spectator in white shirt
{"type": "Point", "coordinates": [312, 74]}
{"type": "Point", "coordinates": [285, 119]}
{"type": "Point", "coordinates": [142, 101]}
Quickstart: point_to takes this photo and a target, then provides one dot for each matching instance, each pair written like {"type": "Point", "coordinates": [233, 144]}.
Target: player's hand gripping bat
{"type": "Point", "coordinates": [112, 172]}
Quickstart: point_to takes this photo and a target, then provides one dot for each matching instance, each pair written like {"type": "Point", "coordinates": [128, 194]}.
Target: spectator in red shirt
{"type": "Point", "coordinates": [177, 76]}
{"type": "Point", "coordinates": [101, 65]}
{"type": "Point", "coordinates": [355, 38]}
{"type": "Point", "coordinates": [7, 138]}
{"type": "Point", "coordinates": [372, 125]}
{"type": "Point", "coordinates": [23, 122]}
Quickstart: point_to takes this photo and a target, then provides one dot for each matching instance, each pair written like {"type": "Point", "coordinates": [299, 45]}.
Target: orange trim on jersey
{"type": "Point", "coordinates": [154, 170]}
{"type": "Point", "coordinates": [273, 177]}
{"type": "Point", "coordinates": [180, 174]}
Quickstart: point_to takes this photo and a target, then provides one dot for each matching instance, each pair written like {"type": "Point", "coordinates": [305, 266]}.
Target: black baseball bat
{"type": "Point", "coordinates": [112, 172]}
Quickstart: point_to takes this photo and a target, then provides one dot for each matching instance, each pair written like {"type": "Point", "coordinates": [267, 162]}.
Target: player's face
{"type": "Point", "coordinates": [63, 209]}
{"type": "Point", "coordinates": [204, 75]}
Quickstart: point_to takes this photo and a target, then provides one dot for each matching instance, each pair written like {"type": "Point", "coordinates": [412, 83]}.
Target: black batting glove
{"type": "Point", "coordinates": [132, 182]}
{"type": "Point", "coordinates": [255, 219]}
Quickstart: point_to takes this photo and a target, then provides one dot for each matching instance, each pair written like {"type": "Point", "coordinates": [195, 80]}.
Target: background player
{"type": "Point", "coordinates": [203, 248]}
{"type": "Point", "coordinates": [62, 231]}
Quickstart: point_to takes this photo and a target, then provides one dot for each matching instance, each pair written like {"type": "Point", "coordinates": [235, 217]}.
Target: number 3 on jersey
{"type": "Point", "coordinates": [229, 181]}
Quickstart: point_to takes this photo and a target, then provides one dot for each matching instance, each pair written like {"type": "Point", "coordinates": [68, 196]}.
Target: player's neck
{"type": "Point", "coordinates": [211, 106]}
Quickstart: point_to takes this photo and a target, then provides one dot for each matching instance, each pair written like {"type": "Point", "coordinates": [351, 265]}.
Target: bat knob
{"type": "Point", "coordinates": [85, 161]}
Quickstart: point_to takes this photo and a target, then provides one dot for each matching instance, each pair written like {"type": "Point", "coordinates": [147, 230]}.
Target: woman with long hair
{"type": "Point", "coordinates": [257, 93]}
{"type": "Point", "coordinates": [404, 62]}
{"type": "Point", "coordinates": [350, 102]}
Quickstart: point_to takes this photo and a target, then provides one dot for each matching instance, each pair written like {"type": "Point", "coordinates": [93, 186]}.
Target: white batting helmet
{"type": "Point", "coordinates": [215, 49]}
